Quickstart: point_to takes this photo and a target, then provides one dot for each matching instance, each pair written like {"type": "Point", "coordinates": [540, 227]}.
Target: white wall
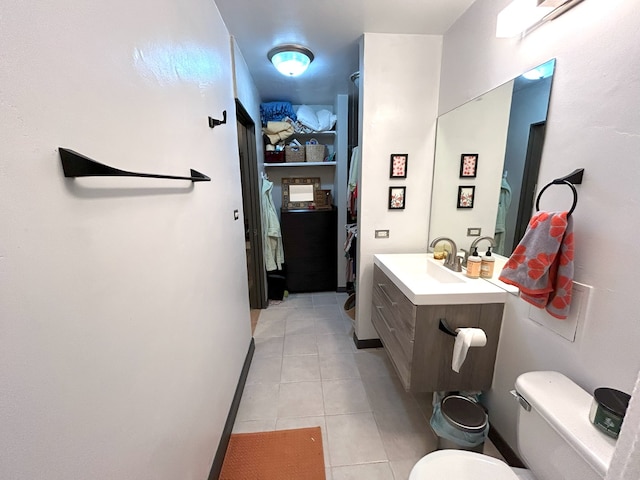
{"type": "Point", "coordinates": [398, 102]}
{"type": "Point", "coordinates": [593, 123]}
{"type": "Point", "coordinates": [480, 127]}
{"type": "Point", "coordinates": [124, 313]}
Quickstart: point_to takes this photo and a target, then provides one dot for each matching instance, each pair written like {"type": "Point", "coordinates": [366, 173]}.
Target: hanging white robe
{"type": "Point", "coordinates": [271, 234]}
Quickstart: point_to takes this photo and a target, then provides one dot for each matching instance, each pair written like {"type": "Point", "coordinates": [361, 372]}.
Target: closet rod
{"type": "Point", "coordinates": [75, 164]}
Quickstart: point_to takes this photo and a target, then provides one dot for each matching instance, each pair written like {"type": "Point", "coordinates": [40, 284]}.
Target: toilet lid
{"type": "Point", "coordinates": [460, 465]}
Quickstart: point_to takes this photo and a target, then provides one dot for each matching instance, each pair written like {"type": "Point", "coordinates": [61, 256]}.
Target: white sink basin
{"type": "Point", "coordinates": [426, 281]}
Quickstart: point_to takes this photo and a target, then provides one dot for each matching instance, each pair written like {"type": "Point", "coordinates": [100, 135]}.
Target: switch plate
{"type": "Point", "coordinates": [474, 232]}
{"type": "Point", "coordinates": [236, 214]}
{"type": "Point", "coordinates": [382, 233]}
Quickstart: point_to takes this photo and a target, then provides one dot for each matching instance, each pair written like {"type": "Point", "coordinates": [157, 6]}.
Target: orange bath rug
{"type": "Point", "coordinates": [280, 455]}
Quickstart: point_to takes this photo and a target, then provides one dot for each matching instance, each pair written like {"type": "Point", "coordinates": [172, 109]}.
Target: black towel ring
{"type": "Point", "coordinates": [560, 182]}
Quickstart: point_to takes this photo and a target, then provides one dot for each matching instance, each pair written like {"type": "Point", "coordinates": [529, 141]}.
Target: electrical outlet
{"type": "Point", "coordinates": [382, 233]}
{"type": "Point", "coordinates": [473, 232]}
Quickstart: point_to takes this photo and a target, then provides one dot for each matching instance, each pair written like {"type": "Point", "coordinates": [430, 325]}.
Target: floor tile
{"type": "Point", "coordinates": [268, 347]}
{"type": "Point", "coordinates": [300, 326]}
{"type": "Point", "coordinates": [300, 345]}
{"type": "Point", "coordinates": [354, 439]}
{"type": "Point", "coordinates": [368, 471]}
{"type": "Point", "coordinates": [297, 301]}
{"type": "Point", "coordinates": [334, 326]}
{"type": "Point", "coordinates": [374, 362]}
{"type": "Point", "coordinates": [300, 368]}
{"type": "Point", "coordinates": [322, 299]}
{"type": "Point", "coordinates": [301, 399]}
{"type": "Point", "coordinates": [339, 366]}
{"type": "Point", "coordinates": [387, 393]}
{"type": "Point", "coordinates": [259, 402]}
{"type": "Point", "coordinates": [405, 433]}
{"type": "Point", "coordinates": [305, 422]}
{"type": "Point", "coordinates": [250, 426]}
{"type": "Point", "coordinates": [344, 396]}
{"type": "Point", "coordinates": [326, 312]}
{"type": "Point", "coordinates": [269, 327]}
{"type": "Point", "coordinates": [265, 370]}
{"type": "Point", "coordinates": [335, 343]}
{"type": "Point", "coordinates": [402, 468]}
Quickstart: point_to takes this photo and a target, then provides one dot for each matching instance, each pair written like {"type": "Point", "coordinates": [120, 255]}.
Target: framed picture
{"type": "Point", "coordinates": [465, 196]}
{"type": "Point", "coordinates": [298, 192]}
{"type": "Point", "coordinates": [468, 165]}
{"type": "Point", "coordinates": [396, 198]}
{"type": "Point", "coordinates": [398, 165]}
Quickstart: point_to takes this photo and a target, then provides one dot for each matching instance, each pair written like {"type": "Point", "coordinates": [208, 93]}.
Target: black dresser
{"type": "Point", "coordinates": [310, 251]}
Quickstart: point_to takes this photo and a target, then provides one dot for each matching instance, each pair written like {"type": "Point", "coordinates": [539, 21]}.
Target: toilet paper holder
{"type": "Point", "coordinates": [443, 326]}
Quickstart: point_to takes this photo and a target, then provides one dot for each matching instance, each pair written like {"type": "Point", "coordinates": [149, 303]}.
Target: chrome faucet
{"type": "Point", "coordinates": [474, 245]}
{"type": "Point", "coordinates": [452, 263]}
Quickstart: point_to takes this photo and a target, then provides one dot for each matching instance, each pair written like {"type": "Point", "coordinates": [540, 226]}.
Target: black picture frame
{"type": "Point", "coordinates": [469, 165]}
{"type": "Point", "coordinates": [397, 198]}
{"type": "Point", "coordinates": [398, 165]}
{"type": "Point", "coordinates": [466, 196]}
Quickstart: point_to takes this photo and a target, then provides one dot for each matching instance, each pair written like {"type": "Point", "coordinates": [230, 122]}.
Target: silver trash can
{"type": "Point", "coordinates": [460, 423]}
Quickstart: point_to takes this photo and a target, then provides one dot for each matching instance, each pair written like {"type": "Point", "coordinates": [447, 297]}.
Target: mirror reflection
{"type": "Point", "coordinates": [503, 132]}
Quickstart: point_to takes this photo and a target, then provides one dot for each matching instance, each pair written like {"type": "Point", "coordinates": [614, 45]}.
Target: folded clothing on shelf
{"type": "Point", "coordinates": [276, 111]}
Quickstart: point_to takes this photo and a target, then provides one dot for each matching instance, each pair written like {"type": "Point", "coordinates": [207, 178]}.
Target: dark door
{"type": "Point", "coordinates": [251, 206]}
{"type": "Point", "coordinates": [529, 180]}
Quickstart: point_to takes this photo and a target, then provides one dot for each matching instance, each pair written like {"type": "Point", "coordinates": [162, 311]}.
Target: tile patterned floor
{"type": "Point", "coordinates": [307, 372]}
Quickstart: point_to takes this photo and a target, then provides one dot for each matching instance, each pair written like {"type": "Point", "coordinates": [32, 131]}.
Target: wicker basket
{"type": "Point", "coordinates": [315, 153]}
{"type": "Point", "coordinates": [294, 153]}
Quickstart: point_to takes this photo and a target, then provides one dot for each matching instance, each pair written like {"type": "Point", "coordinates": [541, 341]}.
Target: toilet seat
{"type": "Point", "coordinates": [461, 465]}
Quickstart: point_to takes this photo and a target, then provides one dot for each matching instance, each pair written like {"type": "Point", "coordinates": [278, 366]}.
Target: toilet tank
{"type": "Point", "coordinates": [556, 440]}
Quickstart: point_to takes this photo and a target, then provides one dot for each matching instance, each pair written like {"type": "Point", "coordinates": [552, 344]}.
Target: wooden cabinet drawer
{"type": "Point", "coordinates": [399, 305]}
{"type": "Point", "coordinates": [398, 328]}
{"type": "Point", "coordinates": [395, 352]}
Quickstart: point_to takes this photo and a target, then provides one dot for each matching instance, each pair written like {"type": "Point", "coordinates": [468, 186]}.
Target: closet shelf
{"type": "Point", "coordinates": [301, 164]}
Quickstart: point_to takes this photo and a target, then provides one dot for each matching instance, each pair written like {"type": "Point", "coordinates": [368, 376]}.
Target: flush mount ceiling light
{"type": "Point", "coordinates": [521, 16]}
{"type": "Point", "coordinates": [290, 60]}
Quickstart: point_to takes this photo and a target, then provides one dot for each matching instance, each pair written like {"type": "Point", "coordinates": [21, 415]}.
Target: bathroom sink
{"type": "Point", "coordinates": [426, 281]}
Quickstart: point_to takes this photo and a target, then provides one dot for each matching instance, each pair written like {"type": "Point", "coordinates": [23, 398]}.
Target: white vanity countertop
{"type": "Point", "coordinates": [425, 281]}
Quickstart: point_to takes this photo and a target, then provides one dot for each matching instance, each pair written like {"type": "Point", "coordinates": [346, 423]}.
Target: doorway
{"type": "Point", "coordinates": [529, 179]}
{"type": "Point", "coordinates": [251, 206]}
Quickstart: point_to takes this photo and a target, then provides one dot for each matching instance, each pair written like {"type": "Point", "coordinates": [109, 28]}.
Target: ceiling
{"type": "Point", "coordinates": [331, 30]}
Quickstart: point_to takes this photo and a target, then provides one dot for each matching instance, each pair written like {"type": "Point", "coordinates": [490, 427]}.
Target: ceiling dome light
{"type": "Point", "coordinates": [290, 60]}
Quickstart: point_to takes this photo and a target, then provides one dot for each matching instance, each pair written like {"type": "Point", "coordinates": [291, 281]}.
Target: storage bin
{"type": "Point", "coordinates": [315, 153]}
{"type": "Point", "coordinates": [274, 157]}
{"type": "Point", "coordinates": [294, 153]}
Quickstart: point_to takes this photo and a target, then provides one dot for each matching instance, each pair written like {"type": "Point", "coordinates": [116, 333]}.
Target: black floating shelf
{"type": "Point", "coordinates": [75, 164]}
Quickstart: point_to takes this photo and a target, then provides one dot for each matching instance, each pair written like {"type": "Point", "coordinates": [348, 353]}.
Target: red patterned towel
{"type": "Point", "coordinates": [541, 266]}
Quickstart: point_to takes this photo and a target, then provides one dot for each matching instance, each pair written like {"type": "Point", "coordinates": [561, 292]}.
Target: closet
{"type": "Point", "coordinates": [313, 239]}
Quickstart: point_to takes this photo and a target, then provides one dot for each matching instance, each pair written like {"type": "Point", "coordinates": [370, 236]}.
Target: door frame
{"type": "Point", "coordinates": [251, 199]}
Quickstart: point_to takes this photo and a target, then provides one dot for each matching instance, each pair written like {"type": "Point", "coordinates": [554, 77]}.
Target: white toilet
{"type": "Point", "coordinates": [556, 440]}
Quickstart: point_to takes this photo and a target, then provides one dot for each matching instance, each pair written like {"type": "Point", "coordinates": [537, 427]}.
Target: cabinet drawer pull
{"type": "Point", "coordinates": [384, 320]}
{"type": "Point", "coordinates": [381, 287]}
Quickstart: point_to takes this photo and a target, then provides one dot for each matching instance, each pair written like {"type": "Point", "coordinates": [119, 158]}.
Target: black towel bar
{"type": "Point", "coordinates": [75, 164]}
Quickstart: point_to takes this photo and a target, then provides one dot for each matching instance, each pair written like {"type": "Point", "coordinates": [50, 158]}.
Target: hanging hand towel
{"type": "Point", "coordinates": [541, 266]}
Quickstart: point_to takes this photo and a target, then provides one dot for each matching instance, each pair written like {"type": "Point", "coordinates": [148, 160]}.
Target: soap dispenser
{"type": "Point", "coordinates": [487, 264]}
{"type": "Point", "coordinates": [474, 264]}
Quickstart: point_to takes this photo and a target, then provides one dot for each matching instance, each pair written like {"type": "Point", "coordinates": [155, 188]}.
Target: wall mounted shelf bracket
{"type": "Point", "coordinates": [75, 164]}
{"type": "Point", "coordinates": [215, 123]}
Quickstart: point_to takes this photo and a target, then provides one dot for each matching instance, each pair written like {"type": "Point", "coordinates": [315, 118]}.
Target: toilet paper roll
{"type": "Point", "coordinates": [467, 337]}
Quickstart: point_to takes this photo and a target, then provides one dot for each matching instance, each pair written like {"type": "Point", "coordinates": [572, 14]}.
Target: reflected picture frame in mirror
{"type": "Point", "coordinates": [506, 126]}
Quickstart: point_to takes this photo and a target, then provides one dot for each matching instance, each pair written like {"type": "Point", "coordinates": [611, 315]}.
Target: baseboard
{"type": "Point", "coordinates": [369, 343]}
{"type": "Point", "coordinates": [505, 450]}
{"type": "Point", "coordinates": [216, 468]}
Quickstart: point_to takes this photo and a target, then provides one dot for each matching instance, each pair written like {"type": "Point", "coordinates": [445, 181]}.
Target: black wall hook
{"type": "Point", "coordinates": [214, 123]}
{"type": "Point", "coordinates": [75, 164]}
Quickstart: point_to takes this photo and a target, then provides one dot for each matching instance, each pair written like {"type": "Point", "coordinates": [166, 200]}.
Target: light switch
{"type": "Point", "coordinates": [382, 233]}
{"type": "Point", "coordinates": [236, 214]}
{"type": "Point", "coordinates": [474, 232]}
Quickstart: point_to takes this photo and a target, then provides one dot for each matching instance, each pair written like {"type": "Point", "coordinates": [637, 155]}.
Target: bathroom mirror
{"type": "Point", "coordinates": [502, 131]}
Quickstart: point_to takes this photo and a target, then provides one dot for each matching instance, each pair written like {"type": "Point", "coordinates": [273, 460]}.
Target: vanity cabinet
{"type": "Point", "coordinates": [420, 351]}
